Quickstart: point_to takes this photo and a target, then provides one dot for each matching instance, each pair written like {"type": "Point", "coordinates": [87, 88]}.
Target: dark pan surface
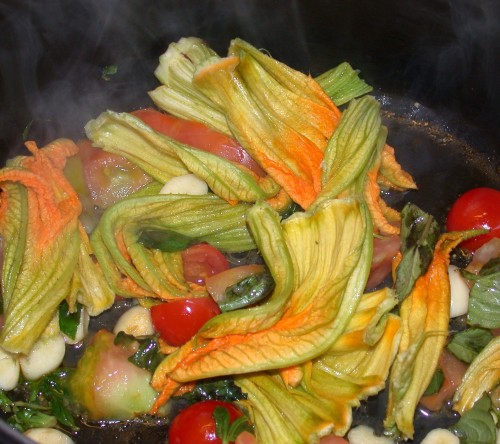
{"type": "Point", "coordinates": [433, 66]}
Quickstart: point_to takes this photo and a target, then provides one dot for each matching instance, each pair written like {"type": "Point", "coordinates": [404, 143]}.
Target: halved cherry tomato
{"type": "Point", "coordinates": [201, 261]}
{"type": "Point", "coordinates": [195, 425]}
{"type": "Point", "coordinates": [332, 439]}
{"type": "Point", "coordinates": [384, 250]}
{"type": "Point", "coordinates": [179, 320]}
{"type": "Point", "coordinates": [109, 177]}
{"type": "Point", "coordinates": [199, 136]}
{"type": "Point", "coordinates": [477, 208]}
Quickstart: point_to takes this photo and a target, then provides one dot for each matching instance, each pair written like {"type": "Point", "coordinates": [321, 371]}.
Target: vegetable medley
{"type": "Point", "coordinates": [242, 219]}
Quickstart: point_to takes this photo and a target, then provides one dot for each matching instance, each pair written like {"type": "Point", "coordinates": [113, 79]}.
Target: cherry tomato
{"type": "Point", "coordinates": [477, 208]}
{"type": "Point", "coordinates": [199, 136]}
{"type": "Point", "coordinates": [109, 177]}
{"type": "Point", "coordinates": [195, 425]}
{"type": "Point", "coordinates": [179, 320]}
{"type": "Point", "coordinates": [201, 261]}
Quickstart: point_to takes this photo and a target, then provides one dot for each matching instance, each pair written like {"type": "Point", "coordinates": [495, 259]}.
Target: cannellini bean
{"type": "Point", "coordinates": [365, 435]}
{"type": "Point", "coordinates": [9, 370]}
{"type": "Point", "coordinates": [45, 356]}
{"type": "Point", "coordinates": [136, 321]}
{"type": "Point", "coordinates": [459, 289]}
{"type": "Point", "coordinates": [440, 436]}
{"type": "Point", "coordinates": [82, 330]}
{"type": "Point", "coordinates": [186, 184]}
{"type": "Point", "coordinates": [45, 435]}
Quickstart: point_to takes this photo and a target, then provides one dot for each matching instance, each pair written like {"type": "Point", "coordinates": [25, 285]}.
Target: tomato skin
{"type": "Point", "coordinates": [477, 208]}
{"type": "Point", "coordinates": [179, 320]}
{"type": "Point", "coordinates": [109, 177]}
{"type": "Point", "coordinates": [201, 261]}
{"type": "Point", "coordinates": [195, 425]}
{"type": "Point", "coordinates": [199, 136]}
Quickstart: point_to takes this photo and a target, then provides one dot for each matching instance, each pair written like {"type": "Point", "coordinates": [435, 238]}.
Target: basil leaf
{"type": "Point", "coordinates": [247, 291]}
{"type": "Point", "coordinates": [165, 240]}
{"type": "Point", "coordinates": [419, 235]}
{"type": "Point", "coordinates": [467, 344]}
{"type": "Point", "coordinates": [484, 298]}
{"type": "Point", "coordinates": [147, 356]}
{"type": "Point", "coordinates": [222, 389]}
{"type": "Point", "coordinates": [476, 426]}
{"type": "Point", "coordinates": [68, 321]}
{"type": "Point", "coordinates": [225, 430]}
{"type": "Point", "coordinates": [435, 384]}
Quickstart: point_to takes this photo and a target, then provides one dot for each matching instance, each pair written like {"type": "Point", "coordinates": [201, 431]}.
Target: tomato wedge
{"type": "Point", "coordinates": [196, 425]}
{"type": "Point", "coordinates": [199, 136]}
{"type": "Point", "coordinates": [201, 261]}
{"type": "Point", "coordinates": [109, 177]}
{"type": "Point", "coordinates": [179, 320]}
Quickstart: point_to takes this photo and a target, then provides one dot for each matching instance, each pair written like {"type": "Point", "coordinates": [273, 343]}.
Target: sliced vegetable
{"type": "Point", "coordinates": [179, 320]}
{"type": "Point", "coordinates": [109, 177]}
{"type": "Point", "coordinates": [107, 385]}
{"type": "Point", "coordinates": [201, 261]}
{"type": "Point", "coordinates": [476, 208]}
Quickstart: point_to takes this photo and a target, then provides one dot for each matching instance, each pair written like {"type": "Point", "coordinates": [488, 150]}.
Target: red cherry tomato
{"type": "Point", "coordinates": [477, 208]}
{"type": "Point", "coordinates": [195, 425]}
{"type": "Point", "coordinates": [179, 320]}
{"type": "Point", "coordinates": [109, 177]}
{"type": "Point", "coordinates": [199, 136]}
{"type": "Point", "coordinates": [201, 261]}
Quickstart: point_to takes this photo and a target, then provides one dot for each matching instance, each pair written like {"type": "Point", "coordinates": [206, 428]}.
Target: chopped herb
{"type": "Point", "coordinates": [467, 344]}
{"type": "Point", "coordinates": [248, 291]}
{"type": "Point", "coordinates": [435, 384]}
{"type": "Point", "coordinates": [27, 130]}
{"type": "Point", "coordinates": [419, 235]}
{"type": "Point", "coordinates": [69, 321]}
{"type": "Point", "coordinates": [44, 404]}
{"type": "Point", "coordinates": [484, 299]}
{"type": "Point", "coordinates": [165, 240]}
{"type": "Point", "coordinates": [225, 430]}
{"type": "Point", "coordinates": [476, 426]}
{"type": "Point", "coordinates": [223, 389]}
{"type": "Point", "coordinates": [148, 356]}
{"type": "Point", "coordinates": [109, 71]}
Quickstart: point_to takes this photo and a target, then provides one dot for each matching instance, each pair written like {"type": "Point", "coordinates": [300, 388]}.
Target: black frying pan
{"type": "Point", "coordinates": [434, 65]}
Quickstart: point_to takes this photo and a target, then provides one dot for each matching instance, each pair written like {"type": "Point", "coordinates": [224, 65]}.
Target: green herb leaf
{"type": "Point", "coordinates": [467, 344]}
{"type": "Point", "coordinates": [476, 426]}
{"type": "Point", "coordinates": [222, 389]}
{"type": "Point", "coordinates": [228, 432]}
{"type": "Point", "coordinates": [435, 384]}
{"type": "Point", "coordinates": [419, 235]}
{"type": "Point", "coordinates": [6, 404]}
{"type": "Point", "coordinates": [165, 240]}
{"type": "Point", "coordinates": [148, 355]}
{"type": "Point", "coordinates": [484, 298]}
{"type": "Point", "coordinates": [109, 71]}
{"type": "Point", "coordinates": [248, 291]}
{"type": "Point", "coordinates": [69, 321]}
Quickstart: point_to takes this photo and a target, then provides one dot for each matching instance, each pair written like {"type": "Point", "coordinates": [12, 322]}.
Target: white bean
{"type": "Point", "coordinates": [136, 321]}
{"type": "Point", "coordinates": [9, 370]}
{"type": "Point", "coordinates": [459, 301]}
{"type": "Point", "coordinates": [365, 435]}
{"type": "Point", "coordinates": [46, 435]}
{"type": "Point", "coordinates": [185, 184]}
{"type": "Point", "coordinates": [440, 436]}
{"type": "Point", "coordinates": [45, 356]}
